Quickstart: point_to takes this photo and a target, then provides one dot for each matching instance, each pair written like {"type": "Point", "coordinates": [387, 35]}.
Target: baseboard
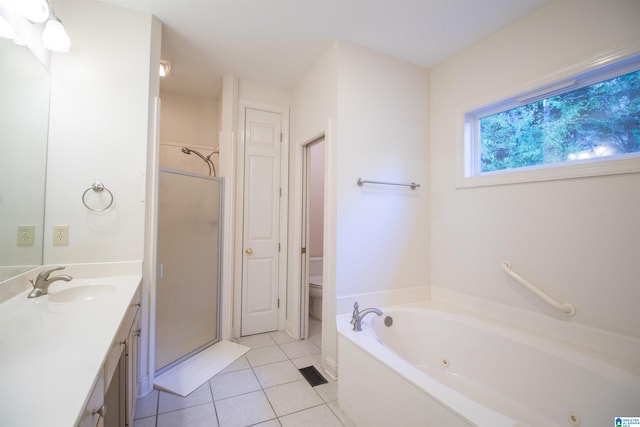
{"type": "Point", "coordinates": [330, 366]}
{"type": "Point", "coordinates": [144, 387]}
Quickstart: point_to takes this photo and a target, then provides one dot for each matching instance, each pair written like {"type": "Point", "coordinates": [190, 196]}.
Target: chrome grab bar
{"type": "Point", "coordinates": [361, 182]}
{"type": "Point", "coordinates": [565, 307]}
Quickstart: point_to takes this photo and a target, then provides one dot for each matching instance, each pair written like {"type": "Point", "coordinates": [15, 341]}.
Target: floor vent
{"type": "Point", "coordinates": [313, 377]}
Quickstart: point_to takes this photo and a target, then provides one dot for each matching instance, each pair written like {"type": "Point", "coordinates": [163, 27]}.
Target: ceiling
{"type": "Point", "coordinates": [275, 42]}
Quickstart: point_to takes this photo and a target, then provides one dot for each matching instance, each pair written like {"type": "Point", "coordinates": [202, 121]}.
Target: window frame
{"type": "Point", "coordinates": [601, 67]}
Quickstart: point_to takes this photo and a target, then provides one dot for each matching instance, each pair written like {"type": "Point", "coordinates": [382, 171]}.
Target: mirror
{"type": "Point", "coordinates": [24, 126]}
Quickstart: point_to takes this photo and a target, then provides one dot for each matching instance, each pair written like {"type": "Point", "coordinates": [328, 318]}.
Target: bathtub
{"type": "Point", "coordinates": [438, 367]}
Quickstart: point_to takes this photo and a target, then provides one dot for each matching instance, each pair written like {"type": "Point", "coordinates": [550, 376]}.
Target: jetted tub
{"type": "Point", "coordinates": [437, 367]}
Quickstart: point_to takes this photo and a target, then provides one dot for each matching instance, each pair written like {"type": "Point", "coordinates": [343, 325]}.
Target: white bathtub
{"type": "Point", "coordinates": [436, 367]}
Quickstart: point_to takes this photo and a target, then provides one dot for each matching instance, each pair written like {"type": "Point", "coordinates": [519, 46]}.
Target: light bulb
{"type": "Point", "coordinates": [55, 37]}
{"type": "Point", "coordinates": [165, 68]}
{"type": "Point", "coordinates": [19, 40]}
{"type": "Point", "coordinates": [6, 30]}
{"type": "Point", "coordinates": [34, 10]}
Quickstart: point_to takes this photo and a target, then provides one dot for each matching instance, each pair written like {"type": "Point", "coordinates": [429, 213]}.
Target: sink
{"type": "Point", "coordinates": [81, 293]}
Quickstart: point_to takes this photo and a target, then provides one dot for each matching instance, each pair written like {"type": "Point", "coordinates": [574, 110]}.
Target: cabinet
{"type": "Point", "coordinates": [115, 392]}
{"type": "Point", "coordinates": [113, 398]}
{"type": "Point", "coordinates": [121, 369]}
{"type": "Point", "coordinates": [93, 414]}
{"type": "Point", "coordinates": [132, 353]}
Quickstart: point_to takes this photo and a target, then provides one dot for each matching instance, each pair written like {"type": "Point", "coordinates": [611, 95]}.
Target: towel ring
{"type": "Point", "coordinates": [98, 187]}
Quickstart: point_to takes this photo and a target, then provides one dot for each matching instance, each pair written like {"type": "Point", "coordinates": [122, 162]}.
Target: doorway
{"type": "Point", "coordinates": [312, 239]}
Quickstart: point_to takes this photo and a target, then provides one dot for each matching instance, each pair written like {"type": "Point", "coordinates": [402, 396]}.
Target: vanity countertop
{"type": "Point", "coordinates": [52, 348]}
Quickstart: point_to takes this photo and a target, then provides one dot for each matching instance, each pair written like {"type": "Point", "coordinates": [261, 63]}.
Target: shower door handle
{"type": "Point", "coordinates": [249, 251]}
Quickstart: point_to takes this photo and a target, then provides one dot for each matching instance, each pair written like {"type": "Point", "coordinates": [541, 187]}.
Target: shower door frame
{"type": "Point", "coordinates": [218, 278]}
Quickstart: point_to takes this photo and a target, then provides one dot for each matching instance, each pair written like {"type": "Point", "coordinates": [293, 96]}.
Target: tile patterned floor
{"type": "Point", "coordinates": [262, 388]}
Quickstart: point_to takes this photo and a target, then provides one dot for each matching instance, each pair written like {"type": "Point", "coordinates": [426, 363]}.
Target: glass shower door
{"type": "Point", "coordinates": [187, 292]}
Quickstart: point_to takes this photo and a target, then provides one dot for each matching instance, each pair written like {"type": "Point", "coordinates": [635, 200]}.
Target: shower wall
{"type": "Point", "coordinates": [188, 121]}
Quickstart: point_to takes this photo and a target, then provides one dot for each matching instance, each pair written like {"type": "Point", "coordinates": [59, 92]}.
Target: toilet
{"type": "Point", "coordinates": [315, 287]}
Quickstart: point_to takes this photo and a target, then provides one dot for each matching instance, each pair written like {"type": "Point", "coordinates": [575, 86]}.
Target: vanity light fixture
{"type": "Point", "coordinates": [19, 40]}
{"type": "Point", "coordinates": [6, 30]}
{"type": "Point", "coordinates": [165, 68]}
{"type": "Point", "coordinates": [54, 36]}
{"type": "Point", "coordinates": [36, 11]}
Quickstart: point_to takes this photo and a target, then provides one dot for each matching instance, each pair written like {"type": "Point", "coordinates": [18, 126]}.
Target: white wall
{"type": "Point", "coordinates": [314, 106]}
{"type": "Point", "coordinates": [228, 113]}
{"type": "Point", "coordinates": [374, 111]}
{"type": "Point", "coordinates": [382, 231]}
{"type": "Point", "coordinates": [102, 128]}
{"type": "Point", "coordinates": [98, 132]}
{"type": "Point", "coordinates": [263, 94]}
{"type": "Point", "coordinates": [578, 238]}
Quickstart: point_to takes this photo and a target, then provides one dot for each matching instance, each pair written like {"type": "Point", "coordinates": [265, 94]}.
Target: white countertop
{"type": "Point", "coordinates": [51, 352]}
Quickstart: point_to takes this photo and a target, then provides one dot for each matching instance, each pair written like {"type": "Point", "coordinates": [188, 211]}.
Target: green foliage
{"type": "Point", "coordinates": [602, 119]}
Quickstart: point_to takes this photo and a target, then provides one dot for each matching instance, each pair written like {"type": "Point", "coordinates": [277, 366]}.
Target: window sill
{"type": "Point", "coordinates": [580, 169]}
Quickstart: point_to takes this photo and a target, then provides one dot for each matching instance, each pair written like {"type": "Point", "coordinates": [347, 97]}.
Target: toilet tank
{"type": "Point", "coordinates": [315, 266]}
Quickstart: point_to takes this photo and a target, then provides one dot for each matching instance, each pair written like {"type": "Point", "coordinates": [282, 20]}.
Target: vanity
{"type": "Point", "coordinates": [69, 358]}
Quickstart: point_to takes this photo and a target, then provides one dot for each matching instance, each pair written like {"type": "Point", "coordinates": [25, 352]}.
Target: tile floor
{"type": "Point", "coordinates": [262, 388]}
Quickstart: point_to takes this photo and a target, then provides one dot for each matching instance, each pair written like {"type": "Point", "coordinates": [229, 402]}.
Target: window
{"type": "Point", "coordinates": [583, 119]}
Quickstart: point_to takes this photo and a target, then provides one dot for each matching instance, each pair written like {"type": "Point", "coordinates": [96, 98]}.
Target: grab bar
{"type": "Point", "coordinates": [565, 307]}
{"type": "Point", "coordinates": [361, 182]}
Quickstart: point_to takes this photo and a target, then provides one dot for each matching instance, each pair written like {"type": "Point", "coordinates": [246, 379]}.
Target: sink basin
{"type": "Point", "coordinates": [81, 293]}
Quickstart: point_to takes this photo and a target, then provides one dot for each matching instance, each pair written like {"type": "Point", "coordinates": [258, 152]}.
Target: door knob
{"type": "Point", "coordinates": [249, 251]}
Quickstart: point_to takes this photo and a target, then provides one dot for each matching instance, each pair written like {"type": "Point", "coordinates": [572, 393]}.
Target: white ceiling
{"type": "Point", "coordinates": [275, 42]}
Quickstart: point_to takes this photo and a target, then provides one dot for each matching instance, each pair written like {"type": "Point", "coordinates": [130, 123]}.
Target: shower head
{"type": "Point", "coordinates": [187, 150]}
{"type": "Point", "coordinates": [207, 160]}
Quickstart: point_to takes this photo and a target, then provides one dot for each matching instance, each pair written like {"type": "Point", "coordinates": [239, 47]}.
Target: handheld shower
{"type": "Point", "coordinates": [207, 159]}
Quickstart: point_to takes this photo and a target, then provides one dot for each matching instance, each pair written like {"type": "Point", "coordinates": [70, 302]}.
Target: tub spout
{"type": "Point", "coordinates": [356, 318]}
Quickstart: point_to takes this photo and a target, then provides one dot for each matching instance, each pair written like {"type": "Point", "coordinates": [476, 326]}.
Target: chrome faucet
{"type": "Point", "coordinates": [356, 318]}
{"type": "Point", "coordinates": [41, 286]}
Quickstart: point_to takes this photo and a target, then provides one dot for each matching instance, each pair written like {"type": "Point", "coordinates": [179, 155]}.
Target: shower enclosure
{"type": "Point", "coordinates": [188, 285]}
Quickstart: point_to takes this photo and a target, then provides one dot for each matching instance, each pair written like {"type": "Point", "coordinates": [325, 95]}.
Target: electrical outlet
{"type": "Point", "coordinates": [60, 235]}
{"type": "Point", "coordinates": [26, 234]}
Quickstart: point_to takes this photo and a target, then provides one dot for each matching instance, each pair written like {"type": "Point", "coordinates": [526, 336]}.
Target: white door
{"type": "Point", "coordinates": [261, 231]}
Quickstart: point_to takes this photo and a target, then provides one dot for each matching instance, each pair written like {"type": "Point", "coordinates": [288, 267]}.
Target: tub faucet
{"type": "Point", "coordinates": [356, 318]}
{"type": "Point", "coordinates": [41, 286]}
